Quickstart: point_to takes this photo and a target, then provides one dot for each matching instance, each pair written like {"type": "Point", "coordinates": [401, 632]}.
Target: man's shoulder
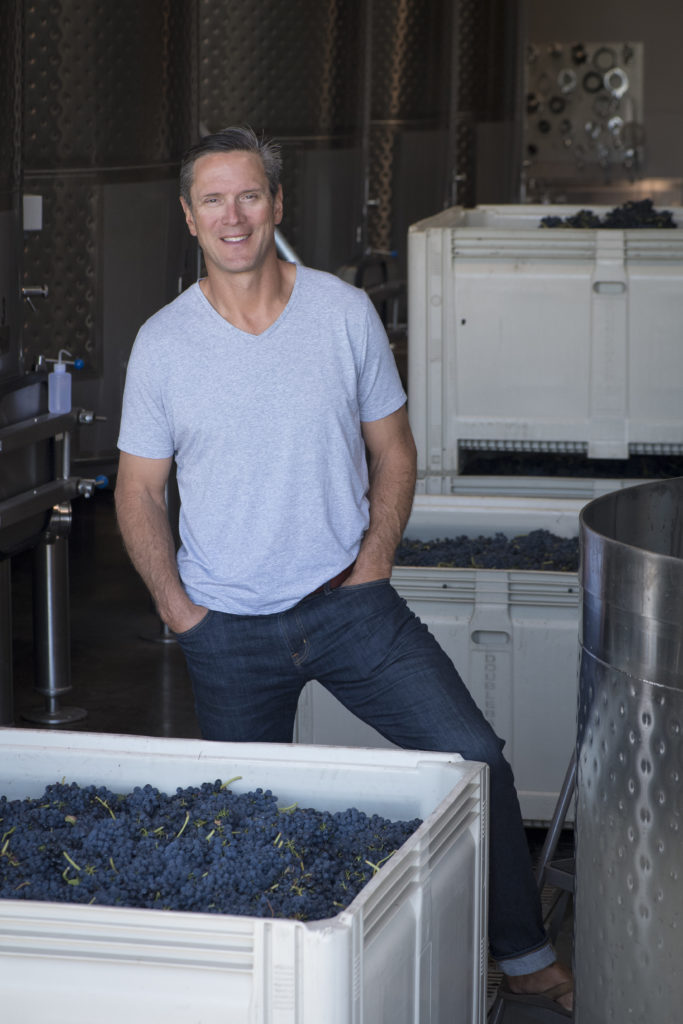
{"type": "Point", "coordinates": [173, 312]}
{"type": "Point", "coordinates": [322, 282]}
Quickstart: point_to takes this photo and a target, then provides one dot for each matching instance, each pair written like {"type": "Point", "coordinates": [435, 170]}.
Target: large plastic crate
{"type": "Point", "coordinates": [513, 636]}
{"type": "Point", "coordinates": [410, 948]}
{"type": "Point", "coordinates": [531, 339]}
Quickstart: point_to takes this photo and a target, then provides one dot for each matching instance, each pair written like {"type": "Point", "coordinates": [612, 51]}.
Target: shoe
{"type": "Point", "coordinates": [545, 1000]}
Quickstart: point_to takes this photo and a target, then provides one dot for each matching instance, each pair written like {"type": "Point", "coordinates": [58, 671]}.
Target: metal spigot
{"type": "Point", "coordinates": [30, 291]}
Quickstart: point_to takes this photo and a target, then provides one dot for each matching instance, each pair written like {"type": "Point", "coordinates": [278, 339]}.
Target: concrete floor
{"type": "Point", "coordinates": [127, 679]}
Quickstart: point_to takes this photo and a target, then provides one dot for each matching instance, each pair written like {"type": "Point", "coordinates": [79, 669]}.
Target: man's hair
{"type": "Point", "coordinates": [230, 140]}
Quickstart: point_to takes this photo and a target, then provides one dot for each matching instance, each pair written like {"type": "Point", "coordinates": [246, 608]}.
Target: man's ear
{"type": "Point", "coordinates": [189, 219]}
{"type": "Point", "coordinates": [277, 205]}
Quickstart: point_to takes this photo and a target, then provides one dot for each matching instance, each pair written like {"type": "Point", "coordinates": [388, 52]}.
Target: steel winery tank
{"type": "Point", "coordinates": [629, 850]}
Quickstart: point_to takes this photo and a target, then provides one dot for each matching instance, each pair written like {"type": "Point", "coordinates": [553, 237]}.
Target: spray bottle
{"type": "Point", "coordinates": [59, 382]}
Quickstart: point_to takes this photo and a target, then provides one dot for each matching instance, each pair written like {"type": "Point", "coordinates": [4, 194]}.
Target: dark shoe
{"type": "Point", "coordinates": [545, 1000]}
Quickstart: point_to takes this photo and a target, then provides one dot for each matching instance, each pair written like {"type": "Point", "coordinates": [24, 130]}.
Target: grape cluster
{"type": "Point", "coordinates": [203, 849]}
{"type": "Point", "coordinates": [632, 214]}
{"type": "Point", "coordinates": [539, 549]}
{"type": "Point", "coordinates": [581, 219]}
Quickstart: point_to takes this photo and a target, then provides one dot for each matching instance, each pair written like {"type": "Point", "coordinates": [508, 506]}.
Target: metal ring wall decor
{"type": "Point", "coordinates": [586, 120]}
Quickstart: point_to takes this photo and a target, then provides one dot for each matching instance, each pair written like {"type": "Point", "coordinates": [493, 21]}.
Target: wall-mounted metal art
{"type": "Point", "coordinates": [583, 116]}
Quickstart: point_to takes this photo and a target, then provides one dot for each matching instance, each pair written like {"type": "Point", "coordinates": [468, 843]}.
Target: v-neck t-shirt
{"type": "Point", "coordinates": [265, 430]}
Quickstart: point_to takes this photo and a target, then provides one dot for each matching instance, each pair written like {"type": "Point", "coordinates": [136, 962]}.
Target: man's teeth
{"type": "Point", "coordinates": [234, 238]}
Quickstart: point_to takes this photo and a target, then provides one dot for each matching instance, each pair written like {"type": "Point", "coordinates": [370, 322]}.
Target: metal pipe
{"type": "Point", "coordinates": [285, 249]}
{"type": "Point", "coordinates": [365, 119]}
{"type": "Point", "coordinates": [66, 454]}
{"type": "Point", "coordinates": [6, 677]}
{"type": "Point", "coordinates": [51, 622]}
{"type": "Point", "coordinates": [554, 832]}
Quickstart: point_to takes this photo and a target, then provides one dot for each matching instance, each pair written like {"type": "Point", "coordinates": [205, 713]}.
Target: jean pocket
{"type": "Point", "coordinates": [194, 629]}
{"type": "Point", "coordinates": [363, 586]}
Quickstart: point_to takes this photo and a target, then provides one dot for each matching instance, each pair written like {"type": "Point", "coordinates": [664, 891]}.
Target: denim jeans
{"type": "Point", "coordinates": [370, 651]}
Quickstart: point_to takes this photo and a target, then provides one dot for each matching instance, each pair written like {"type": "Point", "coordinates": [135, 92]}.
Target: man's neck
{"type": "Point", "coordinates": [251, 301]}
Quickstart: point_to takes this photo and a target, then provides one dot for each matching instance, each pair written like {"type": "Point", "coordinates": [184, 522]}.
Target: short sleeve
{"type": "Point", "coordinates": [380, 391]}
{"type": "Point", "coordinates": [145, 429]}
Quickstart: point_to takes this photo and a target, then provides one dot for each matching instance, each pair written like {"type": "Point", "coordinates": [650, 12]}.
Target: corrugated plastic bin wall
{"type": "Point", "coordinates": [513, 636]}
{"type": "Point", "coordinates": [533, 339]}
{"type": "Point", "coordinates": [410, 948]}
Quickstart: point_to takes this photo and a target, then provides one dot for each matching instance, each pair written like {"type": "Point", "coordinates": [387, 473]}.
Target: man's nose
{"type": "Point", "coordinates": [231, 212]}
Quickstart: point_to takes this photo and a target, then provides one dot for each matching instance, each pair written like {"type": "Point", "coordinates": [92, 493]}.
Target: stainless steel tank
{"type": "Point", "coordinates": [629, 848]}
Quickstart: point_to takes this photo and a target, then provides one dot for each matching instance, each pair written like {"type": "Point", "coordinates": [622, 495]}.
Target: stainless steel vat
{"type": "Point", "coordinates": [629, 850]}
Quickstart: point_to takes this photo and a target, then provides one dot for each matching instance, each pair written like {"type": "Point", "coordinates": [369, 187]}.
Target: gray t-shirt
{"type": "Point", "coordinates": [266, 434]}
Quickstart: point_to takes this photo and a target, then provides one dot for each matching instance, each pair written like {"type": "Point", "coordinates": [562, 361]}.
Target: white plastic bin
{"type": "Point", "coordinates": [410, 948]}
{"type": "Point", "coordinates": [540, 339]}
{"type": "Point", "coordinates": [513, 636]}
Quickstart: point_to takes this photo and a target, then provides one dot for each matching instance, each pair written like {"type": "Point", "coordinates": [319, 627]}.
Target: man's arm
{"type": "Point", "coordinates": [143, 521]}
{"type": "Point", "coordinates": [392, 460]}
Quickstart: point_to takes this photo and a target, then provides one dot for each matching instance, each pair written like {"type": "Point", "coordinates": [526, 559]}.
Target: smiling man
{"type": "Point", "coordinates": [274, 388]}
{"type": "Point", "coordinates": [232, 210]}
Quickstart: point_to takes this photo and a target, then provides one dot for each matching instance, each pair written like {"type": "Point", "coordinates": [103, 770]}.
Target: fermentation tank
{"type": "Point", "coordinates": [35, 480]}
{"type": "Point", "coordinates": [629, 900]}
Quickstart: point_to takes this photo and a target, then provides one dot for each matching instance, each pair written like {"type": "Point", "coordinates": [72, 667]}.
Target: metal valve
{"type": "Point", "coordinates": [31, 291]}
{"type": "Point", "coordinates": [87, 416]}
{"type": "Point", "coordinates": [86, 488]}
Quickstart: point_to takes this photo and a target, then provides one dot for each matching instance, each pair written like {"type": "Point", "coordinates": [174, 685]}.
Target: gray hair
{"type": "Point", "coordinates": [230, 140]}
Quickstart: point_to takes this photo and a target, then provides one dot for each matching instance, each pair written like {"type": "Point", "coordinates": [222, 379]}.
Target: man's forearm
{"type": "Point", "coordinates": [391, 492]}
{"type": "Point", "coordinates": [148, 539]}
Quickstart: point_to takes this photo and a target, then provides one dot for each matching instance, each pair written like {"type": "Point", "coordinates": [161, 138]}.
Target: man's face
{"type": "Point", "coordinates": [233, 214]}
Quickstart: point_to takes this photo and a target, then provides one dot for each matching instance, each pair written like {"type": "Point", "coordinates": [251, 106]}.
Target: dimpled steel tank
{"type": "Point", "coordinates": [629, 850]}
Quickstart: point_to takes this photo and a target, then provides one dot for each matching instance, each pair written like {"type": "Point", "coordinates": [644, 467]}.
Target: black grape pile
{"type": "Point", "coordinates": [201, 849]}
{"type": "Point", "coordinates": [632, 214]}
{"type": "Point", "coordinates": [539, 549]}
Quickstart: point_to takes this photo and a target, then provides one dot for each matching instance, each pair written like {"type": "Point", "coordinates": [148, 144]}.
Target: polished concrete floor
{"type": "Point", "coordinates": [126, 677]}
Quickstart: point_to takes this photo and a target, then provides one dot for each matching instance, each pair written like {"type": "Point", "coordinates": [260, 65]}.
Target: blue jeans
{"type": "Point", "coordinates": [365, 645]}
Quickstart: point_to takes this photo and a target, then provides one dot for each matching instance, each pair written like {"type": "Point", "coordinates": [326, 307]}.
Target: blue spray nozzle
{"type": "Point", "coordinates": [77, 364]}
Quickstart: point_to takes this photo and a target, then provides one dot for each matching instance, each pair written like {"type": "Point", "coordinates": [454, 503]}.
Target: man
{"type": "Point", "coordinates": [274, 388]}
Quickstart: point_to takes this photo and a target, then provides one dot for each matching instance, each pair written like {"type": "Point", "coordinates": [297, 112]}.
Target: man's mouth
{"type": "Point", "coordinates": [234, 238]}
